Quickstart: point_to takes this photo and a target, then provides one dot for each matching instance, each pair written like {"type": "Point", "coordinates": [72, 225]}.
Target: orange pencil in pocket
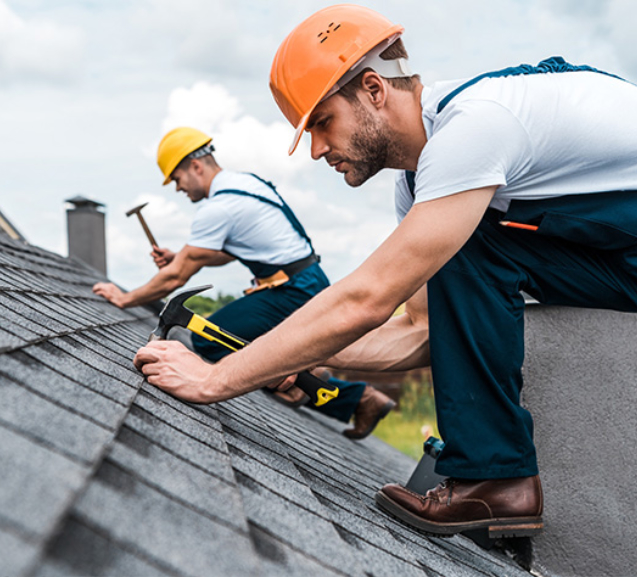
{"type": "Point", "coordinates": [520, 225]}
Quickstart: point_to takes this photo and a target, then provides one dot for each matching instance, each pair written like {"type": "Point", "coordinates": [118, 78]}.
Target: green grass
{"type": "Point", "coordinates": [205, 306]}
{"type": "Point", "coordinates": [403, 428]}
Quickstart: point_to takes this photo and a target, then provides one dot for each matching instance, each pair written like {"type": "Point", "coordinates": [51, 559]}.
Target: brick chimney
{"type": "Point", "coordinates": [86, 232]}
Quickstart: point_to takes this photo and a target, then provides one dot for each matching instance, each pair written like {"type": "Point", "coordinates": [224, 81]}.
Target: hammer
{"type": "Point", "coordinates": [138, 211]}
{"type": "Point", "coordinates": [176, 314]}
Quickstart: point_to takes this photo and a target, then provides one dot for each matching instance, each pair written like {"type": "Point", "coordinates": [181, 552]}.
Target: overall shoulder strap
{"type": "Point", "coordinates": [555, 64]}
{"type": "Point", "coordinates": [287, 211]}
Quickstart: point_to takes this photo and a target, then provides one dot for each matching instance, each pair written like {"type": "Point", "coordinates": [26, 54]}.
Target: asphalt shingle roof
{"type": "Point", "coordinates": [103, 474]}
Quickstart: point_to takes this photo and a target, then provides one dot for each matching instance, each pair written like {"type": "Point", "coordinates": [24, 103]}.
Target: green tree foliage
{"type": "Point", "coordinates": [205, 306]}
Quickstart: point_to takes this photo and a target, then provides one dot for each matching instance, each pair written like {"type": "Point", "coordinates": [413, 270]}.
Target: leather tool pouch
{"type": "Point", "coordinates": [277, 279]}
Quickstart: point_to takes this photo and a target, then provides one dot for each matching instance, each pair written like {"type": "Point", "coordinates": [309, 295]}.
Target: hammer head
{"type": "Point", "coordinates": [136, 210]}
{"type": "Point", "coordinates": [175, 313]}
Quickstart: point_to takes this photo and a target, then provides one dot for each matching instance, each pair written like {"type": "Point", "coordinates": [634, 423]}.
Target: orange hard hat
{"type": "Point", "coordinates": [318, 52]}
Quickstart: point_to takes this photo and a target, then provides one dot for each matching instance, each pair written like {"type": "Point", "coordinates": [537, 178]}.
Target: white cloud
{"type": "Point", "coordinates": [242, 141]}
{"type": "Point", "coordinates": [149, 65]}
{"type": "Point", "coordinates": [37, 50]}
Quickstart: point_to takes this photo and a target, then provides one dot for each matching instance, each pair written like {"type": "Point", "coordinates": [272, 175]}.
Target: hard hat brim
{"type": "Point", "coordinates": [298, 133]}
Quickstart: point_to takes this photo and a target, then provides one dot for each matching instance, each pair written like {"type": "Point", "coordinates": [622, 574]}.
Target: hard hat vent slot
{"type": "Point", "coordinates": [323, 36]}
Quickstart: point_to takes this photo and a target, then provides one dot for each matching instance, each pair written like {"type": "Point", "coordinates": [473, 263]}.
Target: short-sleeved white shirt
{"type": "Point", "coordinates": [246, 227]}
{"type": "Point", "coordinates": [534, 136]}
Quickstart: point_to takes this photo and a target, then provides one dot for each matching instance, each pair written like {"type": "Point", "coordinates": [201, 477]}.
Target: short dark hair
{"type": "Point", "coordinates": [392, 52]}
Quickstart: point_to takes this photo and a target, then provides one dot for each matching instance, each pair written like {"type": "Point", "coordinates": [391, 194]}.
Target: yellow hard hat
{"type": "Point", "coordinates": [176, 145]}
{"type": "Point", "coordinates": [319, 52]}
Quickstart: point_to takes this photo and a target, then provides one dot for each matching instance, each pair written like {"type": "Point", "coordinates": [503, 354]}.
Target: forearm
{"type": "Point", "coordinates": [161, 285]}
{"type": "Point", "coordinates": [338, 316]}
{"type": "Point", "coordinates": [399, 345]}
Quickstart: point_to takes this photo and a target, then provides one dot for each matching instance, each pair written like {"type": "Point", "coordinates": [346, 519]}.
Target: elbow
{"type": "Point", "coordinates": [368, 310]}
{"type": "Point", "coordinates": [173, 282]}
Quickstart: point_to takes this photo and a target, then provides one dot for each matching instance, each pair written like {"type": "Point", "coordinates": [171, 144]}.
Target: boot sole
{"type": "Point", "coordinates": [494, 528]}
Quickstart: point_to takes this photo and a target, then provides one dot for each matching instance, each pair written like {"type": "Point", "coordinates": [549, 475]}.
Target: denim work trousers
{"type": "Point", "coordinates": [584, 254]}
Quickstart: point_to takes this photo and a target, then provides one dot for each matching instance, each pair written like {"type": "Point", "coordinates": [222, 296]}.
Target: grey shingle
{"type": "Point", "coordinates": [103, 474]}
{"type": "Point", "coordinates": [98, 556]}
{"type": "Point", "coordinates": [163, 528]}
{"type": "Point", "coordinates": [34, 416]}
{"type": "Point", "coordinates": [32, 374]}
{"type": "Point", "coordinates": [22, 553]}
{"type": "Point", "coordinates": [38, 483]}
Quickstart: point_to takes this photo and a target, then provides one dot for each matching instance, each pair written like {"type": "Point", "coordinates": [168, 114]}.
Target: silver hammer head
{"type": "Point", "coordinates": [175, 313]}
{"type": "Point", "coordinates": [135, 210]}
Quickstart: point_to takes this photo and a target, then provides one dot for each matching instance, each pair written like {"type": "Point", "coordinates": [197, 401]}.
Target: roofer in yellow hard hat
{"type": "Point", "coordinates": [522, 179]}
{"type": "Point", "coordinates": [241, 216]}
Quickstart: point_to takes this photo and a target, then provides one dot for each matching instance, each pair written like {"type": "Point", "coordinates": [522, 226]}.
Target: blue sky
{"type": "Point", "coordinates": [87, 88]}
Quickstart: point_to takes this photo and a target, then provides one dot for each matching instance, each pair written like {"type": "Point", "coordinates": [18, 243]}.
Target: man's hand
{"type": "Point", "coordinates": [284, 385]}
{"type": "Point", "coordinates": [170, 366]}
{"type": "Point", "coordinates": [162, 256]}
{"type": "Point", "coordinates": [111, 293]}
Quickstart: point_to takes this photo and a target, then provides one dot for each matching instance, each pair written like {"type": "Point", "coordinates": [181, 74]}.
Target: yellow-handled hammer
{"type": "Point", "coordinates": [176, 314]}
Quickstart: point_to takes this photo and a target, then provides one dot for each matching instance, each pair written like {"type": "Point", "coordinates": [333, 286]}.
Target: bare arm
{"type": "Point", "coordinates": [401, 344]}
{"type": "Point", "coordinates": [427, 238]}
{"type": "Point", "coordinates": [188, 261]}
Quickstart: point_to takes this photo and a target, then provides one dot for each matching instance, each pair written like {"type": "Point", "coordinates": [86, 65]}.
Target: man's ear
{"type": "Point", "coordinates": [197, 166]}
{"type": "Point", "coordinates": [374, 88]}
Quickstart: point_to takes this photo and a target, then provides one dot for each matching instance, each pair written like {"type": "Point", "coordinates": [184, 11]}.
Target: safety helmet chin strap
{"type": "Point", "coordinates": [397, 68]}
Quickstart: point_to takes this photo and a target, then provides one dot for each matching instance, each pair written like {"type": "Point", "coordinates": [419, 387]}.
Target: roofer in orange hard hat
{"type": "Point", "coordinates": [242, 217]}
{"type": "Point", "coordinates": [522, 179]}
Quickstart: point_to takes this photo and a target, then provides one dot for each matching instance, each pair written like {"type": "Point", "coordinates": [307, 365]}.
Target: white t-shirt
{"type": "Point", "coordinates": [534, 136]}
{"type": "Point", "coordinates": [246, 227]}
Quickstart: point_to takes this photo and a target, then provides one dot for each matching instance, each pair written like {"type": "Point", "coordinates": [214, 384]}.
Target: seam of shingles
{"type": "Point", "coordinates": [99, 459]}
{"type": "Point", "coordinates": [181, 431]}
{"type": "Point", "coordinates": [49, 342]}
{"type": "Point", "coordinates": [149, 392]}
{"type": "Point", "coordinates": [49, 338]}
{"type": "Point", "coordinates": [135, 551]}
{"type": "Point", "coordinates": [233, 449]}
{"type": "Point", "coordinates": [430, 572]}
{"type": "Point", "coordinates": [292, 453]}
{"type": "Point", "coordinates": [42, 262]}
{"type": "Point", "coordinates": [177, 455]}
{"type": "Point", "coordinates": [57, 403]}
{"type": "Point", "coordinates": [71, 379]}
{"type": "Point", "coordinates": [284, 497]}
{"type": "Point", "coordinates": [174, 498]}
{"type": "Point", "coordinates": [306, 471]}
{"type": "Point", "coordinates": [447, 548]}
{"type": "Point", "coordinates": [268, 489]}
{"type": "Point", "coordinates": [19, 531]}
{"type": "Point", "coordinates": [302, 552]}
{"type": "Point", "coordinates": [321, 498]}
{"type": "Point", "coordinates": [43, 443]}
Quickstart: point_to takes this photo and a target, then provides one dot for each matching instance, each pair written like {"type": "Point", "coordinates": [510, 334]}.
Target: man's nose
{"type": "Point", "coordinates": [319, 147]}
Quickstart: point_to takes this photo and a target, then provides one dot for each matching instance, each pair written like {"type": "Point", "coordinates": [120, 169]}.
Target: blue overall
{"type": "Point", "coordinates": [584, 254]}
{"type": "Point", "coordinates": [255, 314]}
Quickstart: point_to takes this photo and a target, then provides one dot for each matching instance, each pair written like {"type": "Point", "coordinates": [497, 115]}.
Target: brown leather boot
{"type": "Point", "coordinates": [372, 407]}
{"type": "Point", "coordinates": [504, 507]}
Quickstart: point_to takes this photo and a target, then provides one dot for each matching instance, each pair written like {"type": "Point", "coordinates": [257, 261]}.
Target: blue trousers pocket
{"type": "Point", "coordinates": [605, 221]}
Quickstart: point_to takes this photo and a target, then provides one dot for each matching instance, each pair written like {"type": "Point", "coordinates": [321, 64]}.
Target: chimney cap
{"type": "Point", "coordinates": [81, 202]}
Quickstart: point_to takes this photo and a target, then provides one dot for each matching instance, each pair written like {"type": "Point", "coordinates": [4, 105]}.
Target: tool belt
{"type": "Point", "coordinates": [283, 275]}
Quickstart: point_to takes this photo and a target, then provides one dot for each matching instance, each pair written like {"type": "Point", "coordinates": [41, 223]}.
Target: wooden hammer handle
{"type": "Point", "coordinates": [149, 234]}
